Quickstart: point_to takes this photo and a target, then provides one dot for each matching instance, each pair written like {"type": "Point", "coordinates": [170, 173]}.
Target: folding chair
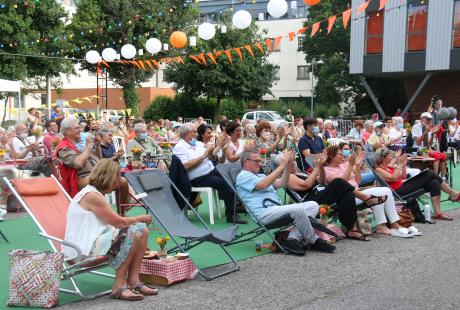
{"type": "Point", "coordinates": [46, 201]}
{"type": "Point", "coordinates": [154, 189]}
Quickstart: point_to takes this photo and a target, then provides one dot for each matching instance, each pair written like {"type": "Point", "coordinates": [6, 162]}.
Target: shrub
{"type": "Point", "coordinates": [232, 108]}
{"type": "Point", "coordinates": [326, 111]}
{"type": "Point", "coordinates": [180, 105]}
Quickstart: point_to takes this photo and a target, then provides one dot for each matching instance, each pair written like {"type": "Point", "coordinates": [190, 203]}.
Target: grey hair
{"type": "Point", "coordinates": [11, 129]}
{"type": "Point", "coordinates": [381, 153]}
{"type": "Point", "coordinates": [105, 131]}
{"type": "Point", "coordinates": [368, 123]}
{"type": "Point", "coordinates": [68, 123]}
{"type": "Point", "coordinates": [246, 155]}
{"type": "Point", "coordinates": [17, 125]}
{"type": "Point", "coordinates": [139, 126]}
{"type": "Point", "coordinates": [185, 129]}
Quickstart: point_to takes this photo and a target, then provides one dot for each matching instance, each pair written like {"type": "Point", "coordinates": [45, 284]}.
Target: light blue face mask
{"type": "Point", "coordinates": [192, 142]}
{"type": "Point", "coordinates": [346, 153]}
{"type": "Point", "coordinates": [143, 136]}
{"type": "Point", "coordinates": [316, 130]}
{"type": "Point", "coordinates": [400, 126]}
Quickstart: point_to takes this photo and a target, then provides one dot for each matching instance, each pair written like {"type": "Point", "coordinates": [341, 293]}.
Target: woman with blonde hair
{"type": "Point", "coordinates": [97, 229]}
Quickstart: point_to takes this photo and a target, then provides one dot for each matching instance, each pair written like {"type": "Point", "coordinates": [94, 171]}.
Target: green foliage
{"type": "Point", "coordinates": [8, 123]}
{"type": "Point", "coordinates": [297, 107]}
{"type": "Point", "coordinates": [131, 98]}
{"type": "Point", "coordinates": [124, 21]}
{"type": "Point", "coordinates": [326, 111]}
{"type": "Point", "coordinates": [180, 105]}
{"type": "Point", "coordinates": [246, 80]}
{"type": "Point", "coordinates": [22, 27]}
{"type": "Point", "coordinates": [232, 108]}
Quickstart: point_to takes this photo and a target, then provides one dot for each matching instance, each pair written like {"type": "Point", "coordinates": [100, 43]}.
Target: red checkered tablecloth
{"type": "Point", "coordinates": [327, 237]}
{"type": "Point", "coordinates": [173, 271]}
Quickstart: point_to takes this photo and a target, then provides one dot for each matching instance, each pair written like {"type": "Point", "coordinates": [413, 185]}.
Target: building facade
{"type": "Point", "coordinates": [414, 40]}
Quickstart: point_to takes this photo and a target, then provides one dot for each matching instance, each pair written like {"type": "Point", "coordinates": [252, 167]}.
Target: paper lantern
{"type": "Point", "coordinates": [223, 29]}
{"type": "Point", "coordinates": [153, 45]}
{"type": "Point", "coordinates": [178, 39]}
{"type": "Point", "coordinates": [192, 41]}
{"type": "Point", "coordinates": [241, 19]}
{"type": "Point", "coordinates": [277, 8]}
{"type": "Point", "coordinates": [93, 57]}
{"type": "Point", "coordinates": [128, 51]}
{"type": "Point", "coordinates": [109, 54]}
{"type": "Point", "coordinates": [311, 2]}
{"type": "Point", "coordinates": [206, 31]}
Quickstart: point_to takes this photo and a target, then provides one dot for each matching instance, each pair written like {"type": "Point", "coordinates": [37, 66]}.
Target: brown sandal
{"type": "Point", "coordinates": [360, 238]}
{"type": "Point", "coordinates": [140, 285]}
{"type": "Point", "coordinates": [119, 294]}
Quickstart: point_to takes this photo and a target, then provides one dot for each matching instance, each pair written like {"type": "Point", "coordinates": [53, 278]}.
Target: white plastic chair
{"type": "Point", "coordinates": [119, 144]}
{"type": "Point", "coordinates": [213, 197]}
{"type": "Point", "coordinates": [334, 141]}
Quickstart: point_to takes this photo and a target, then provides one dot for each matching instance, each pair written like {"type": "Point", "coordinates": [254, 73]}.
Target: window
{"type": "Point", "coordinates": [273, 46]}
{"type": "Point", "coordinates": [374, 35]}
{"type": "Point", "coordinates": [300, 39]}
{"type": "Point", "coordinates": [303, 72]}
{"type": "Point", "coordinates": [417, 17]}
{"type": "Point", "coordinates": [276, 73]}
{"type": "Point", "coordinates": [456, 34]}
{"type": "Point", "coordinates": [264, 116]}
{"type": "Point", "coordinates": [250, 116]}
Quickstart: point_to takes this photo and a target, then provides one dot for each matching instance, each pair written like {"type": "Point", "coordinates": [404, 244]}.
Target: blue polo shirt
{"type": "Point", "coordinates": [108, 151]}
{"type": "Point", "coordinates": [315, 145]}
{"type": "Point", "coordinates": [246, 188]}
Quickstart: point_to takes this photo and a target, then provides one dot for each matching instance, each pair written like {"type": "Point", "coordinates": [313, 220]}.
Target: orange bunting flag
{"type": "Point", "coordinates": [362, 7]}
{"type": "Point", "coordinates": [277, 42]}
{"type": "Point", "coordinates": [105, 63]}
{"type": "Point", "coordinates": [179, 59]}
{"type": "Point", "coordinates": [249, 49]}
{"type": "Point", "coordinates": [141, 63]}
{"type": "Point", "coordinates": [291, 36]}
{"type": "Point", "coordinates": [211, 56]}
{"type": "Point", "coordinates": [346, 17]}
{"type": "Point", "coordinates": [238, 51]}
{"type": "Point", "coordinates": [218, 53]}
{"type": "Point", "coordinates": [331, 23]}
{"type": "Point", "coordinates": [302, 30]}
{"type": "Point", "coordinates": [229, 55]}
{"type": "Point", "coordinates": [315, 28]}
{"type": "Point", "coordinates": [195, 58]}
{"type": "Point", "coordinates": [134, 63]}
{"type": "Point", "coordinates": [259, 46]}
{"type": "Point", "coordinates": [149, 64]}
{"type": "Point", "coordinates": [268, 43]}
{"type": "Point", "coordinates": [382, 4]}
{"type": "Point", "coordinates": [156, 64]}
{"type": "Point", "coordinates": [203, 59]}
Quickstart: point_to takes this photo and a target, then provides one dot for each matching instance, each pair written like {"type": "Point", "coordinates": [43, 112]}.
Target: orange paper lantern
{"type": "Point", "coordinates": [178, 39]}
{"type": "Point", "coordinates": [311, 2]}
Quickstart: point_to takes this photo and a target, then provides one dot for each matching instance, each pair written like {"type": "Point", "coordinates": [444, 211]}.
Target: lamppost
{"type": "Point", "coordinates": [313, 63]}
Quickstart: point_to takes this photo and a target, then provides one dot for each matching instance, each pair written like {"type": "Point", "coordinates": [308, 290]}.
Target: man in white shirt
{"type": "Point", "coordinates": [25, 147]}
{"type": "Point", "coordinates": [194, 155]}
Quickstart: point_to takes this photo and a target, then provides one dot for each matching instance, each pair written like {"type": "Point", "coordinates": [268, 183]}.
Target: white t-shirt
{"type": "Point", "coordinates": [233, 147]}
{"type": "Point", "coordinates": [417, 131]}
{"type": "Point", "coordinates": [186, 152]}
{"type": "Point", "coordinates": [20, 146]}
{"type": "Point", "coordinates": [395, 133]}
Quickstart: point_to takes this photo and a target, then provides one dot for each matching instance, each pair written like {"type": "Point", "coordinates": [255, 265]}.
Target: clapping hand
{"type": "Point", "coordinates": [284, 158]}
{"type": "Point", "coordinates": [119, 153]}
{"type": "Point", "coordinates": [402, 160]}
{"type": "Point", "coordinates": [281, 132]}
{"type": "Point", "coordinates": [352, 159]}
{"type": "Point", "coordinates": [321, 161]}
{"type": "Point", "coordinates": [359, 158]}
{"type": "Point", "coordinates": [225, 139]}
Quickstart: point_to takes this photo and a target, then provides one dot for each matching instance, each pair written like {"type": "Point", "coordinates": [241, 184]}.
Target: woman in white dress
{"type": "Point", "coordinates": [236, 144]}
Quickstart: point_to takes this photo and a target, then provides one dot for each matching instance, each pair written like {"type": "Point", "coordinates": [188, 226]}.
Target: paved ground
{"type": "Point", "coordinates": [385, 273]}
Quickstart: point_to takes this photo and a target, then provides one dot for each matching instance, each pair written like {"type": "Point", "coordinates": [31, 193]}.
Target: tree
{"type": "Point", "coordinates": [245, 80]}
{"type": "Point", "coordinates": [334, 82]}
{"type": "Point", "coordinates": [98, 24]}
{"type": "Point", "coordinates": [35, 28]}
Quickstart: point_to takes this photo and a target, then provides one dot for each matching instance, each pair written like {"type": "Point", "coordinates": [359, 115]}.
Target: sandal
{"type": "Point", "coordinates": [140, 285]}
{"type": "Point", "coordinates": [380, 200]}
{"type": "Point", "coordinates": [442, 216]}
{"type": "Point", "coordinates": [119, 294]}
{"type": "Point", "coordinates": [360, 238]}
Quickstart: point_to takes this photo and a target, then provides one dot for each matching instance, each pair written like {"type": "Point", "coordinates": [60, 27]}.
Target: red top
{"type": "Point", "coordinates": [68, 174]}
{"type": "Point", "coordinates": [395, 184]}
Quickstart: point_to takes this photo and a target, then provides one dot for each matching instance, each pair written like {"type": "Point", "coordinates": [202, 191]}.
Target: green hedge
{"type": "Point", "coordinates": [180, 105]}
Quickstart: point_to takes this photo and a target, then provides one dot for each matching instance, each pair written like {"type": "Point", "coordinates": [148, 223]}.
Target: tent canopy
{"type": "Point", "coordinates": [10, 86]}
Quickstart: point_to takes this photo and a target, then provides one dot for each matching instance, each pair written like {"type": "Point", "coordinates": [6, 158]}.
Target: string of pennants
{"type": "Point", "coordinates": [206, 58]}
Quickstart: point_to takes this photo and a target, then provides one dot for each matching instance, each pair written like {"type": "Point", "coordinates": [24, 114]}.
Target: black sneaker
{"type": "Point", "coordinates": [322, 246]}
{"type": "Point", "coordinates": [293, 246]}
{"type": "Point", "coordinates": [238, 220]}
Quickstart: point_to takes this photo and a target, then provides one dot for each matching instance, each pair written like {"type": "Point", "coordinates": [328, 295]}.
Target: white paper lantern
{"type": "Point", "coordinates": [206, 31]}
{"type": "Point", "coordinates": [93, 57]}
{"type": "Point", "coordinates": [242, 19]}
{"type": "Point", "coordinates": [261, 16]}
{"type": "Point", "coordinates": [109, 54]}
{"type": "Point", "coordinates": [277, 8]}
{"type": "Point", "coordinates": [192, 40]}
{"type": "Point", "coordinates": [140, 52]}
{"type": "Point", "coordinates": [166, 46]}
{"type": "Point", "coordinates": [223, 29]}
{"type": "Point", "coordinates": [128, 51]}
{"type": "Point", "coordinates": [153, 45]}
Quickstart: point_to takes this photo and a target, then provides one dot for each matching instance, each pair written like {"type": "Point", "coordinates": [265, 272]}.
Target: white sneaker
{"type": "Point", "coordinates": [2, 214]}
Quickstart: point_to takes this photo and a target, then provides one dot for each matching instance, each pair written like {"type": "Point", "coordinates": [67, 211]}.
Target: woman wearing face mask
{"type": "Point", "coordinates": [378, 136]}
{"type": "Point", "coordinates": [310, 143]}
{"type": "Point", "coordinates": [265, 138]}
{"type": "Point", "coordinates": [367, 177]}
{"type": "Point", "coordinates": [328, 131]}
{"type": "Point", "coordinates": [143, 141]}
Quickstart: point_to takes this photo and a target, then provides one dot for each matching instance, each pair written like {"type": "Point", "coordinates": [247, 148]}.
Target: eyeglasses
{"type": "Point", "coordinates": [258, 161]}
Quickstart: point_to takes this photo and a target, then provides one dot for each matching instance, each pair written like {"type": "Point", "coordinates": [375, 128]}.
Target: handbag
{"type": "Point", "coordinates": [34, 278]}
{"type": "Point", "coordinates": [405, 218]}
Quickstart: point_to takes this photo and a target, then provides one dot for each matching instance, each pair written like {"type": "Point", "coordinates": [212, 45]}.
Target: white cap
{"type": "Point", "coordinates": [426, 114]}
{"type": "Point", "coordinates": [378, 124]}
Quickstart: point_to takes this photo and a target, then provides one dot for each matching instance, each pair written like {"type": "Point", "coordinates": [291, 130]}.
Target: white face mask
{"type": "Point", "coordinates": [24, 135]}
{"type": "Point", "coordinates": [266, 135]}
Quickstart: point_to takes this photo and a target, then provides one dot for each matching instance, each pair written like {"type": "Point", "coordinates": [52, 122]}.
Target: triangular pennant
{"type": "Point", "coordinates": [229, 55]}
{"type": "Point", "coordinates": [203, 59]}
{"type": "Point", "coordinates": [211, 56]}
{"type": "Point", "coordinates": [382, 4]}
{"type": "Point", "coordinates": [268, 43]}
{"type": "Point", "coordinates": [276, 45]}
{"type": "Point", "coordinates": [156, 64]}
{"type": "Point", "coordinates": [218, 53]}
{"type": "Point", "coordinates": [362, 7]}
{"type": "Point", "coordinates": [180, 60]}
{"type": "Point", "coordinates": [249, 49]}
{"type": "Point", "coordinates": [149, 64]}
{"type": "Point", "coordinates": [315, 28]}
{"type": "Point", "coordinates": [259, 46]}
{"type": "Point", "coordinates": [87, 99]}
{"type": "Point", "coordinates": [331, 21]}
{"type": "Point", "coordinates": [346, 17]}
{"type": "Point", "coordinates": [133, 62]}
{"type": "Point", "coordinates": [77, 100]}
{"type": "Point", "coordinates": [141, 63]}
{"type": "Point", "coordinates": [195, 58]}
{"type": "Point", "coordinates": [291, 36]}
{"type": "Point", "coordinates": [302, 30]}
{"type": "Point", "coordinates": [238, 51]}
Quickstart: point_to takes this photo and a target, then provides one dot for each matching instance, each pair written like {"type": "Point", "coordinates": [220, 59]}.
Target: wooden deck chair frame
{"type": "Point", "coordinates": [88, 265]}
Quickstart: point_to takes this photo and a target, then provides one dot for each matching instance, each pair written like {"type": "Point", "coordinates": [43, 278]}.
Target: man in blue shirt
{"type": "Point", "coordinates": [310, 143]}
{"type": "Point", "coordinates": [254, 188]}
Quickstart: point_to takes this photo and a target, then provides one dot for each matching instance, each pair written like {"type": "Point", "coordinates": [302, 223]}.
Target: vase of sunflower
{"type": "Point", "coordinates": [162, 241]}
{"type": "Point", "coordinates": [137, 152]}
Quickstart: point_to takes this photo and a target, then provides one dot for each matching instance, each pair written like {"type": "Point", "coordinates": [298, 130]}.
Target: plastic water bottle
{"type": "Point", "coordinates": [427, 212]}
